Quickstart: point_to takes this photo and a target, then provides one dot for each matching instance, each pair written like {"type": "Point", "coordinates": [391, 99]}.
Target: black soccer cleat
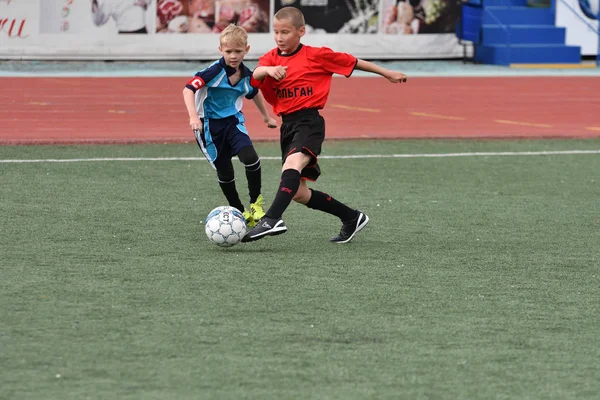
{"type": "Point", "coordinates": [265, 227]}
{"type": "Point", "coordinates": [351, 228]}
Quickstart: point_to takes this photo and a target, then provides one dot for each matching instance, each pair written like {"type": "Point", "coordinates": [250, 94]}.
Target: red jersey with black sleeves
{"type": "Point", "coordinates": [308, 77]}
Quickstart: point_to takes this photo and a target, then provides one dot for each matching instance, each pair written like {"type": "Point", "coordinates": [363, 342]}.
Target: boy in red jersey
{"type": "Point", "coordinates": [295, 79]}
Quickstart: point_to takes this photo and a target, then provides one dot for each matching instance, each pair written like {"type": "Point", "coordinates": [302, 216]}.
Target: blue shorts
{"type": "Point", "coordinates": [223, 139]}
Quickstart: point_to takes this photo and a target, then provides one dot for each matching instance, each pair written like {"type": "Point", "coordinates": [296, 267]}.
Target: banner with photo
{"type": "Point", "coordinates": [411, 17]}
{"type": "Point", "coordinates": [95, 17]}
{"type": "Point", "coordinates": [188, 29]}
{"type": "Point", "coordinates": [211, 16]}
{"type": "Point", "coordinates": [336, 16]}
{"type": "Point", "coordinates": [580, 17]}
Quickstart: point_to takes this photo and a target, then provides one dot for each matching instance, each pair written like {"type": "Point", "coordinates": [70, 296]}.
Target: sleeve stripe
{"type": "Point", "coordinates": [353, 68]}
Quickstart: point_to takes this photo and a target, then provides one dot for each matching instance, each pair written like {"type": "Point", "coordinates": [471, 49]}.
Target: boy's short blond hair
{"type": "Point", "coordinates": [293, 14]}
{"type": "Point", "coordinates": [234, 35]}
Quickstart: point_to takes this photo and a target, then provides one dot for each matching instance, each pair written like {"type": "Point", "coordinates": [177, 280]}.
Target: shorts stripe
{"type": "Point", "coordinates": [203, 147]}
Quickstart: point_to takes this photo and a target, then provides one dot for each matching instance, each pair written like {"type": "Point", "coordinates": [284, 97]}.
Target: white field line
{"type": "Point", "coordinates": [360, 156]}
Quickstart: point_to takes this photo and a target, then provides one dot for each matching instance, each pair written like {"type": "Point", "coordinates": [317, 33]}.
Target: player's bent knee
{"type": "Point", "coordinates": [296, 161]}
{"type": "Point", "coordinates": [248, 156]}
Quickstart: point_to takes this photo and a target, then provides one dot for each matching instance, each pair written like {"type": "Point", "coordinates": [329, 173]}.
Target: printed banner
{"type": "Point", "coordinates": [211, 16]}
{"type": "Point", "coordinates": [188, 29]}
{"type": "Point", "coordinates": [336, 16]}
{"type": "Point", "coordinates": [95, 17]}
{"type": "Point", "coordinates": [17, 21]}
{"type": "Point", "coordinates": [580, 17]}
{"type": "Point", "coordinates": [411, 17]}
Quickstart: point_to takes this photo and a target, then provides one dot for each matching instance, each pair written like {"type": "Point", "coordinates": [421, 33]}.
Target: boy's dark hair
{"type": "Point", "coordinates": [293, 14]}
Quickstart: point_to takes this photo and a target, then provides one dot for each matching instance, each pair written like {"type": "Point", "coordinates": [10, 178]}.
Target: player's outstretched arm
{"type": "Point", "coordinates": [277, 73]}
{"type": "Point", "coordinates": [392, 76]}
{"type": "Point", "coordinates": [189, 98]}
{"type": "Point", "coordinates": [259, 101]}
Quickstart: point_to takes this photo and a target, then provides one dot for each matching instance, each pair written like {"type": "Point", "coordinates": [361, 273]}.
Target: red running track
{"type": "Point", "coordinates": [130, 110]}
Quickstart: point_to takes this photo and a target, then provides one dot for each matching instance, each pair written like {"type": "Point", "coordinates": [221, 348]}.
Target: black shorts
{"type": "Point", "coordinates": [303, 131]}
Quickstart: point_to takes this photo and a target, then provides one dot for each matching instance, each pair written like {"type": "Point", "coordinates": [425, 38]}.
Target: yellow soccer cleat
{"type": "Point", "coordinates": [249, 219]}
{"type": "Point", "coordinates": [256, 209]}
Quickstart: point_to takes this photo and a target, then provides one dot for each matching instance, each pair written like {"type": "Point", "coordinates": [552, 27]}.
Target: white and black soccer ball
{"type": "Point", "coordinates": [225, 226]}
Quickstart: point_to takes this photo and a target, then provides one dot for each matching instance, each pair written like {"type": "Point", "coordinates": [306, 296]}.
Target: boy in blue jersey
{"type": "Point", "coordinates": [213, 99]}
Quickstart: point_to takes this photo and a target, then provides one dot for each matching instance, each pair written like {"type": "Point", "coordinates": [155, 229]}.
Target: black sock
{"type": "Point", "coordinates": [231, 194]}
{"type": "Point", "coordinates": [253, 175]}
{"type": "Point", "coordinates": [288, 186]}
{"type": "Point", "coordinates": [324, 202]}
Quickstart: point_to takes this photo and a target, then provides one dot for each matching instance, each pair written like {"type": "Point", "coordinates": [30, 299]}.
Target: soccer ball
{"type": "Point", "coordinates": [225, 226]}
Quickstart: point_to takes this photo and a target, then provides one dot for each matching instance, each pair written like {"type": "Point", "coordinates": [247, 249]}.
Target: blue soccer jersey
{"type": "Point", "coordinates": [216, 97]}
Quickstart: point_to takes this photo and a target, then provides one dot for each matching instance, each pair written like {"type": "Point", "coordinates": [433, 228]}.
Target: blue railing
{"type": "Point", "coordinates": [590, 26]}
